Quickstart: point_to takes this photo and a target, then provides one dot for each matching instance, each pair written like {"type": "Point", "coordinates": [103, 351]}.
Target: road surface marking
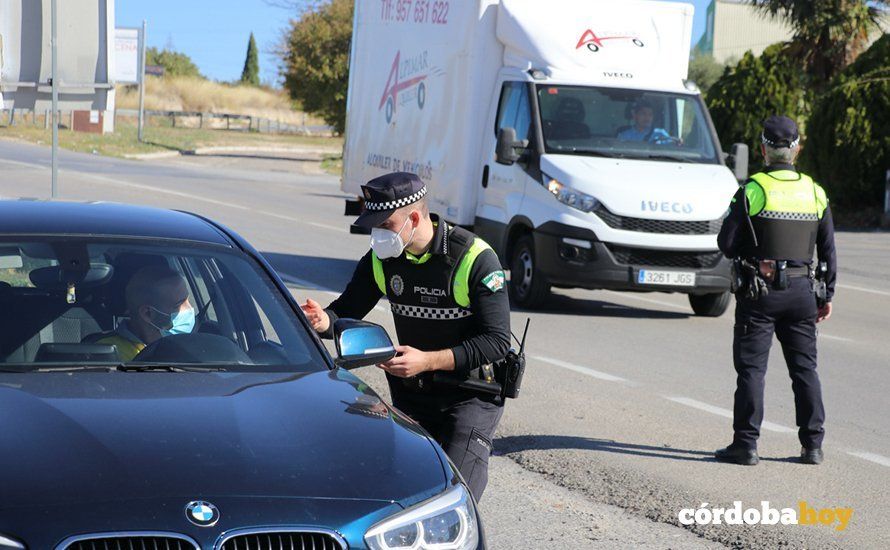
{"type": "Point", "coordinates": [308, 285]}
{"type": "Point", "coordinates": [725, 413]}
{"type": "Point", "coordinates": [583, 370]}
{"type": "Point", "coordinates": [830, 337]}
{"type": "Point", "coordinates": [860, 289]}
{"type": "Point", "coordinates": [632, 296]}
{"type": "Point", "coordinates": [871, 457]}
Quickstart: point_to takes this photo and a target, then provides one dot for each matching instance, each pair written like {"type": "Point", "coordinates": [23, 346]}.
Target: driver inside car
{"type": "Point", "coordinates": [158, 305]}
{"type": "Point", "coordinates": [642, 129]}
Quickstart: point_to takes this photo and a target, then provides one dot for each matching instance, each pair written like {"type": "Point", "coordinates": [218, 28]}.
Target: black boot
{"type": "Point", "coordinates": [811, 456]}
{"type": "Point", "coordinates": [737, 455]}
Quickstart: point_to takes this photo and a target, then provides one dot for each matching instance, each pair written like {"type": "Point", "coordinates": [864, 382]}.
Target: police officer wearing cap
{"type": "Point", "coordinates": [775, 221]}
{"type": "Point", "coordinates": [447, 294]}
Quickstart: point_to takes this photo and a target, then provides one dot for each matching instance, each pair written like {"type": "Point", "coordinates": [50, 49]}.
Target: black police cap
{"type": "Point", "coordinates": [386, 194]}
{"type": "Point", "coordinates": [780, 131]}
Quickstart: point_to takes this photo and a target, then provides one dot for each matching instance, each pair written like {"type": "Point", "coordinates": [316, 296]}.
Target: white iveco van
{"type": "Point", "coordinates": [562, 132]}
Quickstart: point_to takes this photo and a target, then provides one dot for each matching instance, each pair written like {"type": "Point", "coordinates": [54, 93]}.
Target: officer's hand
{"type": "Point", "coordinates": [316, 315]}
{"type": "Point", "coordinates": [824, 313]}
{"type": "Point", "coordinates": [409, 362]}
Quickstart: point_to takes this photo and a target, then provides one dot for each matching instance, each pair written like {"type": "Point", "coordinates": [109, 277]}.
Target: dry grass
{"type": "Point", "coordinates": [196, 94]}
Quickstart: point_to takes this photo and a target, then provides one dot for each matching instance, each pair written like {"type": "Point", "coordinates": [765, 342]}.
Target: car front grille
{"type": "Point", "coordinates": [665, 227]}
{"type": "Point", "coordinates": [282, 541]}
{"type": "Point", "coordinates": [131, 543]}
{"type": "Point", "coordinates": [664, 258]}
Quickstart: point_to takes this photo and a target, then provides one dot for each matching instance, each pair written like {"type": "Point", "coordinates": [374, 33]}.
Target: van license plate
{"type": "Point", "coordinates": [667, 278]}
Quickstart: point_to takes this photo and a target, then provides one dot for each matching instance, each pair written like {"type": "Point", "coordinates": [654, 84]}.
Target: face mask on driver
{"type": "Point", "coordinates": [180, 322]}
{"type": "Point", "coordinates": [389, 244]}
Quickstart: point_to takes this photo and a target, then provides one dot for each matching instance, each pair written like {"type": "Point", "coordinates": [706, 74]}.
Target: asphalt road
{"type": "Point", "coordinates": [626, 395]}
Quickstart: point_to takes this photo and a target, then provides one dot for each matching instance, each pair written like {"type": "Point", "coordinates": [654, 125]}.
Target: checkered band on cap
{"type": "Point", "coordinates": [436, 313]}
{"type": "Point", "coordinates": [796, 216]}
{"type": "Point", "coordinates": [775, 145]}
{"type": "Point", "coordinates": [392, 205]}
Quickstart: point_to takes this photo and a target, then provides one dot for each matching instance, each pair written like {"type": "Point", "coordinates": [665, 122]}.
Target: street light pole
{"type": "Point", "coordinates": [142, 84]}
{"type": "Point", "coordinates": [54, 39]}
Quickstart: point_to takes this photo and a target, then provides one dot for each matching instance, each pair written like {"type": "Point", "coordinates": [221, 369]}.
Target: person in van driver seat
{"type": "Point", "coordinates": [642, 130]}
{"type": "Point", "coordinates": [158, 305]}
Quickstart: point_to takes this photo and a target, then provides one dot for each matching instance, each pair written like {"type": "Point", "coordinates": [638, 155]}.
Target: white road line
{"type": "Point", "coordinates": [871, 457]}
{"type": "Point", "coordinates": [860, 289]}
{"type": "Point", "coordinates": [725, 413]}
{"type": "Point", "coordinates": [838, 338]}
{"type": "Point", "coordinates": [583, 370]}
{"type": "Point", "coordinates": [308, 285]}
{"type": "Point", "coordinates": [633, 296]}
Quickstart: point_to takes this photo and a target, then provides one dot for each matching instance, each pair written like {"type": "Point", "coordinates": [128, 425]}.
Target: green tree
{"type": "Point", "coordinates": [174, 63]}
{"type": "Point", "coordinates": [251, 72]}
{"type": "Point", "coordinates": [754, 89]}
{"type": "Point", "coordinates": [848, 148]}
{"type": "Point", "coordinates": [828, 34]}
{"type": "Point", "coordinates": [315, 57]}
{"type": "Point", "coordinates": [704, 70]}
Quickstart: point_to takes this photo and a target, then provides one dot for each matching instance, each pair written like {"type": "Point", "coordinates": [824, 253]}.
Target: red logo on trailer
{"type": "Point", "coordinates": [394, 86]}
{"type": "Point", "coordinates": [594, 42]}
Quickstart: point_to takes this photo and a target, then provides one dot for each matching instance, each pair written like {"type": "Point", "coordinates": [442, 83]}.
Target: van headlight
{"type": "Point", "coordinates": [569, 196]}
{"type": "Point", "coordinates": [445, 522]}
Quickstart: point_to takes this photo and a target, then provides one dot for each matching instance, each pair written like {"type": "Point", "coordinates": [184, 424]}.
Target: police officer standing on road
{"type": "Point", "coordinates": [451, 313]}
{"type": "Point", "coordinates": [774, 223]}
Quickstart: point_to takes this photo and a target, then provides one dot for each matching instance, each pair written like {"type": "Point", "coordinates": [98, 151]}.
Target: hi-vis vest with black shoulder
{"type": "Point", "coordinates": [430, 295]}
{"type": "Point", "coordinates": [785, 209]}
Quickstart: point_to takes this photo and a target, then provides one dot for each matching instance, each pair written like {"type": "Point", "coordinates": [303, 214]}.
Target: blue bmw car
{"type": "Point", "coordinates": [160, 389]}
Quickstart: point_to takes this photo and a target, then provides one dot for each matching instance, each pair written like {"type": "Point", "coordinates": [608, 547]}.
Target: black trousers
{"type": "Point", "coordinates": [791, 315]}
{"type": "Point", "coordinates": [463, 427]}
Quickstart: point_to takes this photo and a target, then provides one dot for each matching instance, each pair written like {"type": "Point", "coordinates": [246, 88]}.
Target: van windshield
{"type": "Point", "coordinates": [612, 122]}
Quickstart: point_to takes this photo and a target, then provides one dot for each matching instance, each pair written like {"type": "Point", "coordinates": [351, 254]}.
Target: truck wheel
{"type": "Point", "coordinates": [529, 287]}
{"type": "Point", "coordinates": [710, 305]}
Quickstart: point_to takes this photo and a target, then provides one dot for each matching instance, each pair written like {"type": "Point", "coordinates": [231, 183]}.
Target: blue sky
{"type": "Point", "coordinates": [215, 32]}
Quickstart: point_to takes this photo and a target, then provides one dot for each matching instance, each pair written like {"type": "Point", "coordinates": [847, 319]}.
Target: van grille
{"type": "Point", "coordinates": [664, 227]}
{"type": "Point", "coordinates": [664, 258]}
{"type": "Point", "coordinates": [132, 543]}
{"type": "Point", "coordinates": [282, 541]}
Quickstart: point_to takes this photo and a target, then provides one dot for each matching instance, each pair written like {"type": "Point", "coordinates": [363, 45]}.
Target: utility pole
{"type": "Point", "coordinates": [54, 39]}
{"type": "Point", "coordinates": [141, 83]}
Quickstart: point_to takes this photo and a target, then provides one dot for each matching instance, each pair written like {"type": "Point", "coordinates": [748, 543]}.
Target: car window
{"type": "Point", "coordinates": [73, 302]}
{"type": "Point", "coordinates": [514, 110]}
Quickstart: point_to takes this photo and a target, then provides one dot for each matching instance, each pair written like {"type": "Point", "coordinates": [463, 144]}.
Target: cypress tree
{"type": "Point", "coordinates": [251, 73]}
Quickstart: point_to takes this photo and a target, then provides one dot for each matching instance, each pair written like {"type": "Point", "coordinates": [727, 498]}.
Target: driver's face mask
{"type": "Point", "coordinates": [178, 322]}
{"type": "Point", "coordinates": [389, 244]}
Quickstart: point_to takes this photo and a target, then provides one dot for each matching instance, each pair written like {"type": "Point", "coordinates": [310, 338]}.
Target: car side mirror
{"type": "Point", "coordinates": [507, 145]}
{"type": "Point", "coordinates": [738, 161]}
{"type": "Point", "coordinates": [360, 344]}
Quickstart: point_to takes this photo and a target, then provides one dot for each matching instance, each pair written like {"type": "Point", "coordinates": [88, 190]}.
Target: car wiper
{"type": "Point", "coordinates": [43, 367]}
{"type": "Point", "coordinates": [598, 153]}
{"type": "Point", "coordinates": [670, 157]}
{"type": "Point", "coordinates": [167, 367]}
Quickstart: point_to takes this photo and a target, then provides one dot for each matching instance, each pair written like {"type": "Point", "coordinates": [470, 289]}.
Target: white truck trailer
{"type": "Point", "coordinates": [562, 132]}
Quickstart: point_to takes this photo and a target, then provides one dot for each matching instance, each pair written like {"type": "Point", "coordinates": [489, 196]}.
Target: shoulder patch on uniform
{"type": "Point", "coordinates": [494, 280]}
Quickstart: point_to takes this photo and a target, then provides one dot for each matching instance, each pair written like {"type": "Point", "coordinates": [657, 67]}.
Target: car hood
{"type": "Point", "coordinates": [646, 188]}
{"type": "Point", "coordinates": [88, 437]}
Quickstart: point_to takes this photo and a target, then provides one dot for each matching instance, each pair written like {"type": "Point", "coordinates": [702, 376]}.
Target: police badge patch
{"type": "Point", "coordinates": [494, 281]}
{"type": "Point", "coordinates": [397, 285]}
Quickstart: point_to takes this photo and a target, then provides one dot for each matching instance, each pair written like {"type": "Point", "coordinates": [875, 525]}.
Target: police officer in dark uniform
{"type": "Point", "coordinates": [775, 221]}
{"type": "Point", "coordinates": [447, 294]}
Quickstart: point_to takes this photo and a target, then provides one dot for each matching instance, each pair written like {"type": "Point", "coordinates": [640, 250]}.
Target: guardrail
{"type": "Point", "coordinates": [233, 122]}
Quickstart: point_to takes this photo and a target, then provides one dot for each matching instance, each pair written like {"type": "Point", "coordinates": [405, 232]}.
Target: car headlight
{"type": "Point", "coordinates": [9, 543]}
{"type": "Point", "coordinates": [445, 522]}
{"type": "Point", "coordinates": [569, 196]}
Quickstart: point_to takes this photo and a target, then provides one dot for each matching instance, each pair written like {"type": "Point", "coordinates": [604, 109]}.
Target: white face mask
{"type": "Point", "coordinates": [389, 244]}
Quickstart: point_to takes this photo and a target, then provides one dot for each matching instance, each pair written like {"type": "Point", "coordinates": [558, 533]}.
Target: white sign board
{"type": "Point", "coordinates": [126, 56]}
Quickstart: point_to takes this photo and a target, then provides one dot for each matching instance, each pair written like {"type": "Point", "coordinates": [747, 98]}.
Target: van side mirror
{"type": "Point", "coordinates": [738, 161]}
{"type": "Point", "coordinates": [360, 344]}
{"type": "Point", "coordinates": [507, 145]}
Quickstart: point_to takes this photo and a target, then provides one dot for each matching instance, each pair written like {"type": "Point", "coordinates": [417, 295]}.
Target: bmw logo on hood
{"type": "Point", "coordinates": [201, 513]}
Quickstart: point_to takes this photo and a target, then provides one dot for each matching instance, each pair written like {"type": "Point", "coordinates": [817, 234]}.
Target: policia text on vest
{"type": "Point", "coordinates": [451, 313]}
{"type": "Point", "coordinates": [774, 223]}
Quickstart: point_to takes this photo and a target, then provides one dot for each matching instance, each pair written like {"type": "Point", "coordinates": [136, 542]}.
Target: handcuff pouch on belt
{"type": "Point", "coordinates": [819, 279]}
{"type": "Point", "coordinates": [747, 281]}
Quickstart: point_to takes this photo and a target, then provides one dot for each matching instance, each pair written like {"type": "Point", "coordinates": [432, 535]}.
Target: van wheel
{"type": "Point", "coordinates": [710, 305]}
{"type": "Point", "coordinates": [529, 287]}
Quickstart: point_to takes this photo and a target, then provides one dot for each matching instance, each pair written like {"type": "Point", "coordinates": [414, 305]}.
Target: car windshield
{"type": "Point", "coordinates": [621, 123]}
{"type": "Point", "coordinates": [116, 304]}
